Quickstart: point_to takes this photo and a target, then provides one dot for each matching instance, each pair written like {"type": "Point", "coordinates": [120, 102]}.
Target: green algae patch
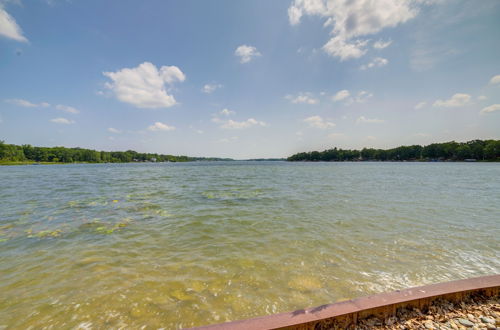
{"type": "Point", "coordinates": [44, 233]}
{"type": "Point", "coordinates": [110, 229]}
{"type": "Point", "coordinates": [232, 194]}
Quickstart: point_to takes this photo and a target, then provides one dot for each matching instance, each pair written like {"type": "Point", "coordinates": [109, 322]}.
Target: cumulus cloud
{"type": "Point", "coordinates": [318, 122]}
{"type": "Point", "coordinates": [227, 112]}
{"type": "Point", "coordinates": [144, 85]}
{"type": "Point", "coordinates": [210, 88]}
{"type": "Point", "coordinates": [341, 95]}
{"type": "Point", "coordinates": [303, 97]}
{"type": "Point", "coordinates": [66, 108]}
{"type": "Point", "coordinates": [363, 119]}
{"type": "Point", "coordinates": [246, 53]}
{"type": "Point", "coordinates": [352, 20]}
{"type": "Point", "coordinates": [63, 121]}
{"type": "Point", "coordinates": [158, 126]}
{"type": "Point", "coordinates": [232, 124]}
{"type": "Point", "coordinates": [457, 100]}
{"type": "Point", "coordinates": [380, 44]}
{"type": "Point", "coordinates": [495, 79]}
{"type": "Point", "coordinates": [420, 105]}
{"type": "Point", "coordinates": [481, 97]}
{"type": "Point", "coordinates": [27, 104]}
{"type": "Point", "coordinates": [114, 130]}
{"type": "Point", "coordinates": [345, 95]}
{"type": "Point", "coordinates": [375, 63]}
{"type": "Point", "coordinates": [9, 28]}
{"type": "Point", "coordinates": [363, 96]}
{"type": "Point", "coordinates": [491, 108]}
{"type": "Point", "coordinates": [338, 47]}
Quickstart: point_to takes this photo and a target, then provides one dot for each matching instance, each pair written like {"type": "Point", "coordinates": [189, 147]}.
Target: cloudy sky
{"type": "Point", "coordinates": [248, 79]}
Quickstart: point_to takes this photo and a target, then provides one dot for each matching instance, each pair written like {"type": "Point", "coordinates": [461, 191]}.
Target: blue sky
{"type": "Point", "coordinates": [247, 79]}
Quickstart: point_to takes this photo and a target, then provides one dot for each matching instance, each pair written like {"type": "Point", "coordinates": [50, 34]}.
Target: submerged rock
{"type": "Point", "coordinates": [305, 283]}
{"type": "Point", "coordinates": [180, 295]}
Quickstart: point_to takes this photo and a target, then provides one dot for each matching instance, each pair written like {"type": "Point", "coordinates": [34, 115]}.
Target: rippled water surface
{"type": "Point", "coordinates": [179, 245]}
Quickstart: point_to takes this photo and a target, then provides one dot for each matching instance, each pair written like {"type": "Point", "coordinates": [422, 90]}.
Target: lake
{"type": "Point", "coordinates": [184, 244]}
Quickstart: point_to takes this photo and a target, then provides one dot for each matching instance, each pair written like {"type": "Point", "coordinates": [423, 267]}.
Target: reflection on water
{"type": "Point", "coordinates": [179, 245]}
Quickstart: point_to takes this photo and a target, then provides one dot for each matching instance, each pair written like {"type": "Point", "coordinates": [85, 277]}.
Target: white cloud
{"type": "Point", "coordinates": [66, 108]}
{"type": "Point", "coordinates": [9, 27]}
{"type": "Point", "coordinates": [158, 126]}
{"type": "Point", "coordinates": [376, 62]}
{"type": "Point", "coordinates": [343, 94]}
{"type": "Point", "coordinates": [382, 44]}
{"type": "Point", "coordinates": [27, 104]}
{"type": "Point", "coordinates": [318, 122]}
{"type": "Point", "coordinates": [420, 105]}
{"type": "Point", "coordinates": [144, 86]}
{"type": "Point", "coordinates": [353, 19]}
{"type": "Point", "coordinates": [363, 119]}
{"type": "Point", "coordinates": [210, 88]}
{"type": "Point", "coordinates": [227, 112]}
{"type": "Point", "coordinates": [114, 130]}
{"type": "Point", "coordinates": [338, 47]}
{"type": "Point", "coordinates": [495, 79]}
{"type": "Point", "coordinates": [61, 120]}
{"type": "Point", "coordinates": [457, 100]}
{"type": "Point", "coordinates": [363, 96]}
{"type": "Point", "coordinates": [481, 97]}
{"type": "Point", "coordinates": [294, 15]}
{"type": "Point", "coordinates": [303, 97]}
{"type": "Point", "coordinates": [246, 53]}
{"type": "Point", "coordinates": [491, 108]}
{"type": "Point", "coordinates": [232, 124]}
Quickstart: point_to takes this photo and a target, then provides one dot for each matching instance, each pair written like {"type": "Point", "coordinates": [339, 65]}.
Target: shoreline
{"type": "Point", "coordinates": [391, 310]}
{"type": "Point", "coordinates": [12, 163]}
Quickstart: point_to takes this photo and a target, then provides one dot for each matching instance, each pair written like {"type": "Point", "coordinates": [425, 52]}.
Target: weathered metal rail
{"type": "Point", "coordinates": [381, 305]}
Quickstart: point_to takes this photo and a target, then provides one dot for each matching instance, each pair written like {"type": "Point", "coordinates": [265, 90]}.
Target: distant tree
{"type": "Point", "coordinates": [477, 149]}
{"type": "Point", "coordinates": [492, 150]}
{"type": "Point", "coordinates": [463, 152]}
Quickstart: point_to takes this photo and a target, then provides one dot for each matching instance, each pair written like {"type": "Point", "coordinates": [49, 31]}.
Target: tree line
{"type": "Point", "coordinates": [26, 152]}
{"type": "Point", "coordinates": [487, 150]}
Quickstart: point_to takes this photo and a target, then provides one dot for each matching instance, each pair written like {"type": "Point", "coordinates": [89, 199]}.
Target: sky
{"type": "Point", "coordinates": [248, 79]}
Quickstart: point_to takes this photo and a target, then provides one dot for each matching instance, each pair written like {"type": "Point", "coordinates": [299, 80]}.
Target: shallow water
{"type": "Point", "coordinates": [180, 245]}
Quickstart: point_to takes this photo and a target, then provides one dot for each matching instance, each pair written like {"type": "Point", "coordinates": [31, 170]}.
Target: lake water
{"type": "Point", "coordinates": [179, 245]}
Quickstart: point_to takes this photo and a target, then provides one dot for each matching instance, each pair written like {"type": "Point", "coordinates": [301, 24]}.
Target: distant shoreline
{"type": "Point", "coordinates": [471, 151]}
{"type": "Point", "coordinates": [254, 160]}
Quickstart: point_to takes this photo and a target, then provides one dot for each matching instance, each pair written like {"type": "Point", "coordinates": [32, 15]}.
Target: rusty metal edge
{"type": "Point", "coordinates": [323, 312]}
